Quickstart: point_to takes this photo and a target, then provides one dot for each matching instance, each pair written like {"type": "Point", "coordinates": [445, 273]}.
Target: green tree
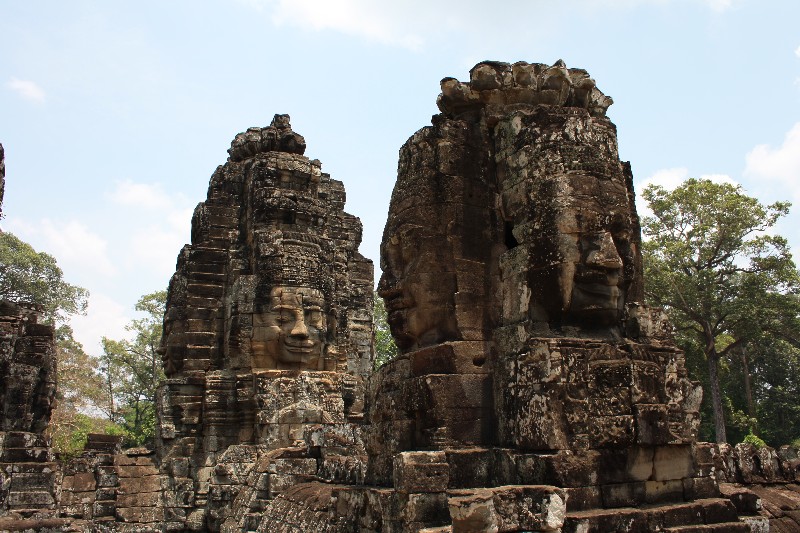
{"type": "Point", "coordinates": [776, 389]}
{"type": "Point", "coordinates": [132, 371]}
{"type": "Point", "coordinates": [30, 276]}
{"type": "Point", "coordinates": [385, 348]}
{"type": "Point", "coordinates": [79, 393]}
{"type": "Point", "coordinates": [711, 263]}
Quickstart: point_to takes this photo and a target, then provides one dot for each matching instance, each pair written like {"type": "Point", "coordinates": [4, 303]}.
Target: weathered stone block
{"type": "Point", "coordinates": [105, 493]}
{"type": "Point", "coordinates": [663, 491]}
{"type": "Point", "coordinates": [718, 511]}
{"type": "Point", "coordinates": [582, 498]}
{"type": "Point", "coordinates": [107, 477]}
{"type": "Point", "coordinates": [140, 499]}
{"type": "Point", "coordinates": [508, 508]}
{"type": "Point", "coordinates": [136, 471]}
{"type": "Point", "coordinates": [137, 485]}
{"type": "Point", "coordinates": [140, 515]}
{"type": "Point", "coordinates": [428, 508]}
{"type": "Point", "coordinates": [623, 494]}
{"type": "Point", "coordinates": [700, 488]}
{"type": "Point", "coordinates": [31, 499]}
{"type": "Point", "coordinates": [745, 500]}
{"type": "Point", "coordinates": [473, 511]}
{"type": "Point", "coordinates": [297, 466]}
{"type": "Point", "coordinates": [30, 482]}
{"type": "Point", "coordinates": [673, 462]}
{"type": "Point", "coordinates": [103, 508]}
{"type": "Point", "coordinates": [612, 431]}
{"type": "Point", "coordinates": [83, 482]}
{"type": "Point", "coordinates": [652, 424]}
{"type": "Point", "coordinates": [471, 467]}
{"type": "Point", "coordinates": [421, 472]}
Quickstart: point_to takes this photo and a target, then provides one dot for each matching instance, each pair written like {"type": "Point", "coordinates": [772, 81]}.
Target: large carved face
{"type": "Point", "coordinates": [289, 330]}
{"type": "Point", "coordinates": [594, 247]}
{"type": "Point", "coordinates": [417, 284]}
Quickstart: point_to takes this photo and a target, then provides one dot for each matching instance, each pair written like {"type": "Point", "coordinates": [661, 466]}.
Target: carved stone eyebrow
{"type": "Point", "coordinates": [281, 307]}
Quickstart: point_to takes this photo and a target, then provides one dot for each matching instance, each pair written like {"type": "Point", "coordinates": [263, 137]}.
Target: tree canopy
{"type": "Point", "coordinates": [30, 276]}
{"type": "Point", "coordinates": [712, 262]}
{"type": "Point", "coordinates": [132, 370]}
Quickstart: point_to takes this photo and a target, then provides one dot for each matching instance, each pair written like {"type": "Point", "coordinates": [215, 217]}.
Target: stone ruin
{"type": "Point", "coordinates": [27, 390]}
{"type": "Point", "coordinates": [534, 390]}
{"type": "Point", "coordinates": [267, 340]}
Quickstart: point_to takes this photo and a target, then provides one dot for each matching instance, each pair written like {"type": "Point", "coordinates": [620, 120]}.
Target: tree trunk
{"type": "Point", "coordinates": [716, 396]}
{"type": "Point", "coordinates": [748, 390]}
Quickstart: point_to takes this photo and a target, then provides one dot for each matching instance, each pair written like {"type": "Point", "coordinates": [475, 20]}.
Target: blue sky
{"type": "Point", "coordinates": [114, 114]}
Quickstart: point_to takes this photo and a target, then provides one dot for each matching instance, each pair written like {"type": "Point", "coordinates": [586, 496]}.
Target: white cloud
{"type": "Point", "coordinates": [386, 23]}
{"type": "Point", "coordinates": [412, 24]}
{"type": "Point", "coordinates": [775, 171]}
{"type": "Point", "coordinates": [29, 90]}
{"type": "Point", "coordinates": [104, 318]}
{"type": "Point", "coordinates": [153, 247]}
{"type": "Point", "coordinates": [156, 247]}
{"type": "Point", "coordinates": [143, 195]}
{"type": "Point", "coordinates": [670, 178]}
{"type": "Point", "coordinates": [719, 5]}
{"type": "Point", "coordinates": [779, 165]}
{"type": "Point", "coordinates": [76, 247]}
{"type": "Point", "coordinates": [797, 51]}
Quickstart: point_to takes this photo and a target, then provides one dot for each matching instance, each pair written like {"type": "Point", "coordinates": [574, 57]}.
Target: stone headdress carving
{"type": "Point", "coordinates": [272, 219]}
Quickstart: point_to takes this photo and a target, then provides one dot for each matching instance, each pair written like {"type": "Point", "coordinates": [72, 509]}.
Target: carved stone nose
{"type": "Point", "coordinates": [606, 256]}
{"type": "Point", "coordinates": [299, 329]}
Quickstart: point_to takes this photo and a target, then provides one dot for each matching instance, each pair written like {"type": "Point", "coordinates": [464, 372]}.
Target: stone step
{"type": "Point", "coordinates": [207, 267]}
{"type": "Point", "coordinates": [706, 512]}
{"type": "Point", "coordinates": [213, 277]}
{"type": "Point", "coordinates": [209, 290]}
{"type": "Point", "coordinates": [207, 254]}
{"type": "Point", "coordinates": [726, 527]}
{"type": "Point", "coordinates": [224, 210]}
{"type": "Point", "coordinates": [34, 454]}
{"type": "Point", "coordinates": [199, 301]}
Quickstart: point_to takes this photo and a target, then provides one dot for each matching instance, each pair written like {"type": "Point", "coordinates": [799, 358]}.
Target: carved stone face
{"type": "Point", "coordinates": [591, 286]}
{"type": "Point", "coordinates": [289, 331]}
{"type": "Point", "coordinates": [594, 247]}
{"type": "Point", "coordinates": [418, 286]}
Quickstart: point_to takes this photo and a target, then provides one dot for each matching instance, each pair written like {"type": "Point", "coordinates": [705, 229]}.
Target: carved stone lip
{"type": "Point", "coordinates": [602, 289]}
{"type": "Point", "coordinates": [305, 348]}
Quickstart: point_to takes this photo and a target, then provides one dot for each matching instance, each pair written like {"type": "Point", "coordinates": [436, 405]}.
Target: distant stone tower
{"type": "Point", "coordinates": [268, 327]}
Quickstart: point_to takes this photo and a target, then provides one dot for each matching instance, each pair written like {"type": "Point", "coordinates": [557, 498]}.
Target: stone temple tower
{"type": "Point", "coordinates": [268, 327]}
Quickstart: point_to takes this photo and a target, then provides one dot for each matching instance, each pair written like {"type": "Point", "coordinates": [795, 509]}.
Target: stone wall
{"type": "Point", "coordinates": [28, 474]}
{"type": "Point", "coordinates": [761, 482]}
